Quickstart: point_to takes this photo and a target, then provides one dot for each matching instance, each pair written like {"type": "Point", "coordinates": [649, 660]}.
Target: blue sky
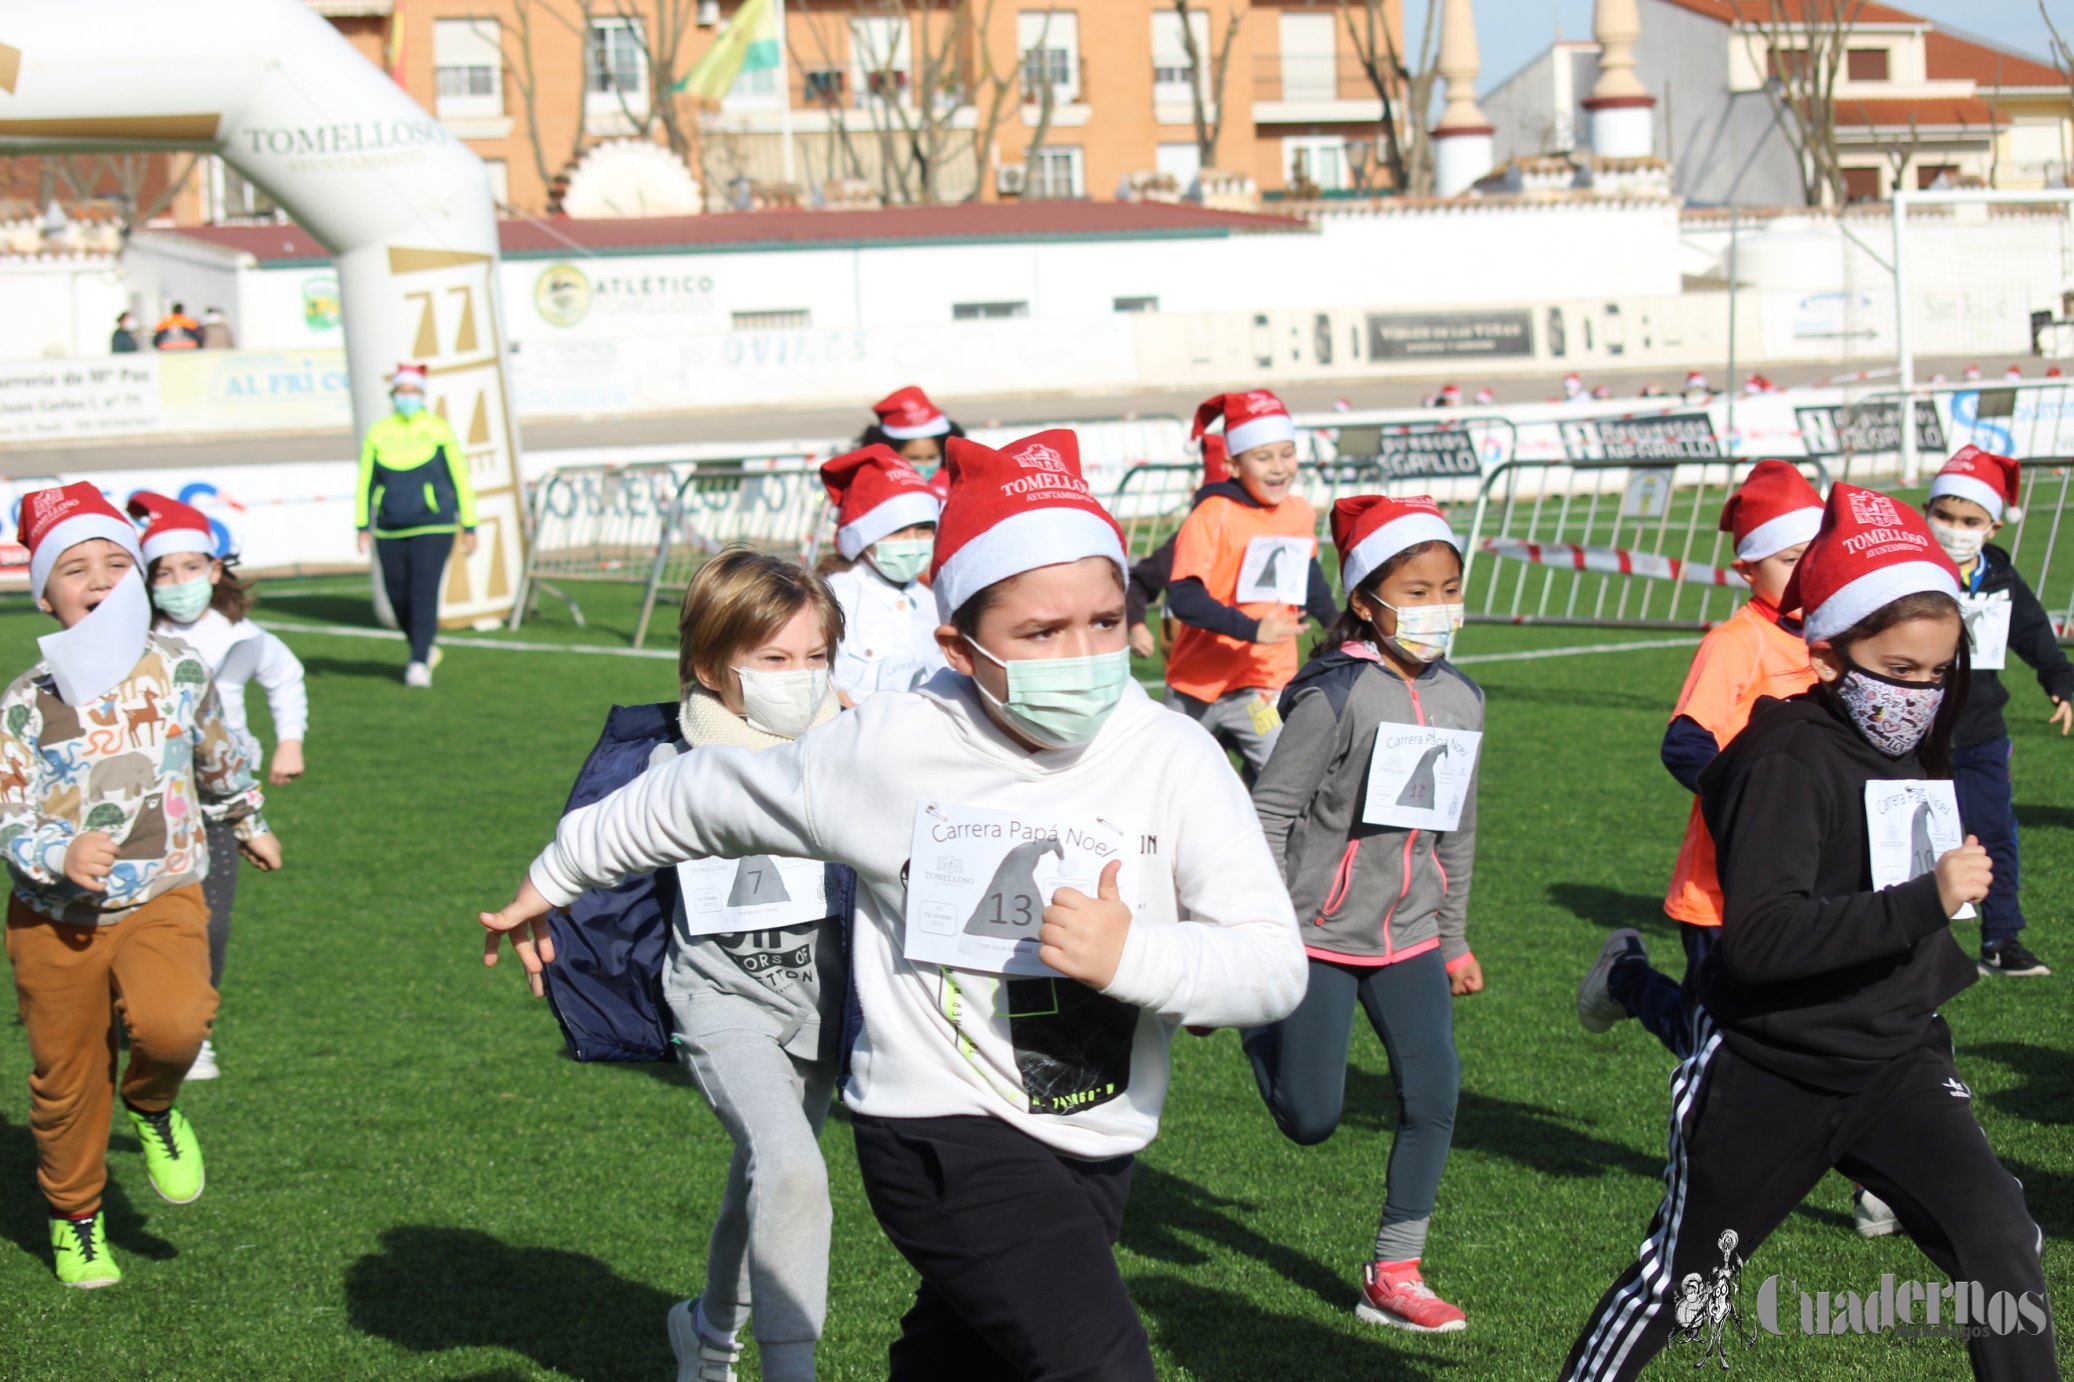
{"type": "Point", "coordinates": [1511, 32]}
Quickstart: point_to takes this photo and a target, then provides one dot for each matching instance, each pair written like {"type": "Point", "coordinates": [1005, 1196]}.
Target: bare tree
{"type": "Point", "coordinates": [123, 178]}
{"type": "Point", "coordinates": [521, 72]}
{"type": "Point", "coordinates": [659, 33]}
{"type": "Point", "coordinates": [1804, 58]}
{"type": "Point", "coordinates": [1206, 72]}
{"type": "Point", "coordinates": [1405, 89]}
{"type": "Point", "coordinates": [1901, 152]}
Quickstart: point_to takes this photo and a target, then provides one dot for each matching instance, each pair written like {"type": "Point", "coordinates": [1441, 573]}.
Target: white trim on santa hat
{"type": "Point", "coordinates": [1875, 590]}
{"type": "Point", "coordinates": [1260, 431]}
{"type": "Point", "coordinates": [1775, 535]}
{"type": "Point", "coordinates": [166, 541]}
{"type": "Point", "coordinates": [1967, 487]}
{"type": "Point", "coordinates": [903, 510]}
{"type": "Point", "coordinates": [407, 374]}
{"type": "Point", "coordinates": [69, 534]}
{"type": "Point", "coordinates": [1051, 535]}
{"type": "Point", "coordinates": [1387, 541]}
{"type": "Point", "coordinates": [935, 427]}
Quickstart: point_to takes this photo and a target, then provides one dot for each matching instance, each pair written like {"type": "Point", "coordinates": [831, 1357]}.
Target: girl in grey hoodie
{"type": "Point", "coordinates": [1369, 804]}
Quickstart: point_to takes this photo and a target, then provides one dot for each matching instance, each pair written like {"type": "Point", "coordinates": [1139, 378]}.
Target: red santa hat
{"type": "Point", "coordinates": [906, 414]}
{"type": "Point", "coordinates": [171, 526]}
{"type": "Point", "coordinates": [1451, 394]}
{"type": "Point", "coordinates": [53, 520]}
{"type": "Point", "coordinates": [1255, 418]}
{"type": "Point", "coordinates": [1216, 459]}
{"type": "Point", "coordinates": [875, 493]}
{"type": "Point", "coordinates": [1369, 529]}
{"type": "Point", "coordinates": [1983, 477]}
{"type": "Point", "coordinates": [407, 373]}
{"type": "Point", "coordinates": [1774, 508]}
{"type": "Point", "coordinates": [1695, 380]}
{"type": "Point", "coordinates": [1871, 550]}
{"type": "Point", "coordinates": [1014, 510]}
{"type": "Point", "coordinates": [940, 483]}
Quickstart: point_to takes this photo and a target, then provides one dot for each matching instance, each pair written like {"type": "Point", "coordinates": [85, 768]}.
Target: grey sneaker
{"type": "Point", "coordinates": [1872, 1215]}
{"type": "Point", "coordinates": [700, 1358]}
{"type": "Point", "coordinates": [1597, 1008]}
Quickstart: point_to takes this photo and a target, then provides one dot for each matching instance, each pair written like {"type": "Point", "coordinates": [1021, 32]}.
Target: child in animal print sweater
{"type": "Point", "coordinates": [113, 751]}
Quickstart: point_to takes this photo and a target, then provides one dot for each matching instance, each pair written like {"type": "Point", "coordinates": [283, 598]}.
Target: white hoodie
{"type": "Point", "coordinates": [1214, 942]}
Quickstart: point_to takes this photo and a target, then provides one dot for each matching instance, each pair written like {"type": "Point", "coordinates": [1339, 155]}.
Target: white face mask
{"type": "Point", "coordinates": [1425, 633]}
{"type": "Point", "coordinates": [1960, 544]}
{"type": "Point", "coordinates": [783, 703]}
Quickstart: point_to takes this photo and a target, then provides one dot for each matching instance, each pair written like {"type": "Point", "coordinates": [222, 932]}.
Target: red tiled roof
{"type": "Point", "coordinates": [892, 225]}
{"type": "Point", "coordinates": [1949, 58]}
{"type": "Point", "coordinates": [1937, 113]}
{"type": "Point", "coordinates": [1795, 11]}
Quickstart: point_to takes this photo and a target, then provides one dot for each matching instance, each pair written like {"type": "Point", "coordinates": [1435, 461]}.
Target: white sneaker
{"type": "Point", "coordinates": [699, 1357]}
{"type": "Point", "coordinates": [417, 674]}
{"type": "Point", "coordinates": [1597, 1008]}
{"type": "Point", "coordinates": [204, 1067]}
{"type": "Point", "coordinates": [1874, 1217]}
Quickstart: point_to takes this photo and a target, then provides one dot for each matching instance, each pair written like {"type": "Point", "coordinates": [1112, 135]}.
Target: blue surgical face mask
{"type": "Point", "coordinates": [900, 560]}
{"type": "Point", "coordinates": [409, 404]}
{"type": "Point", "coordinates": [1060, 701]}
{"type": "Point", "coordinates": [184, 602]}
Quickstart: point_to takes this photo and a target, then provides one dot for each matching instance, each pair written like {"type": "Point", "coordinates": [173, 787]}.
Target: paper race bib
{"type": "Point", "coordinates": [1419, 776]}
{"type": "Point", "coordinates": [978, 882]}
{"type": "Point", "coordinates": [1276, 569]}
{"type": "Point", "coordinates": [1987, 623]}
{"type": "Point", "coordinates": [759, 893]}
{"type": "Point", "coordinates": [1909, 824]}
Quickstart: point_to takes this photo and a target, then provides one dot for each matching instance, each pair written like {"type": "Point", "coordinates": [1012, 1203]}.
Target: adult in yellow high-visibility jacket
{"type": "Point", "coordinates": [414, 495]}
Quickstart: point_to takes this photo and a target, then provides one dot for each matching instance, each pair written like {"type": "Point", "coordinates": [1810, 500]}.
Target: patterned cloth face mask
{"type": "Point", "coordinates": [1892, 715]}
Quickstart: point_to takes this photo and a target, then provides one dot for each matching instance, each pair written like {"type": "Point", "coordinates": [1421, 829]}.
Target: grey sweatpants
{"type": "Point", "coordinates": [220, 891]}
{"type": "Point", "coordinates": [769, 1248]}
{"type": "Point", "coordinates": [1236, 719]}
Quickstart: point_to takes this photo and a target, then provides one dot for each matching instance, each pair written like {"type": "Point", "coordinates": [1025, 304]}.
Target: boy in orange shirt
{"type": "Point", "coordinates": [1245, 574]}
{"type": "Point", "coordinates": [1757, 651]}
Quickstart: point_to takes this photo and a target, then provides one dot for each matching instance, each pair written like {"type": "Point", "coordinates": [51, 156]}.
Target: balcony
{"type": "Point", "coordinates": [1291, 89]}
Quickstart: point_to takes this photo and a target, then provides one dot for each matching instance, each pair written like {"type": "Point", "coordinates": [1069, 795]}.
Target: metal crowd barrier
{"type": "Point", "coordinates": [774, 506]}
{"type": "Point", "coordinates": [593, 523]}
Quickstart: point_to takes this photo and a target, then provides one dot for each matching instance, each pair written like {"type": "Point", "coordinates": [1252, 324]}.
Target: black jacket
{"type": "Point", "coordinates": [2030, 638]}
{"type": "Point", "coordinates": [1816, 977]}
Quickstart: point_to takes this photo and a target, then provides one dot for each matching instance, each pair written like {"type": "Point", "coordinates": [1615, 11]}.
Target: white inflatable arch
{"type": "Point", "coordinates": [282, 97]}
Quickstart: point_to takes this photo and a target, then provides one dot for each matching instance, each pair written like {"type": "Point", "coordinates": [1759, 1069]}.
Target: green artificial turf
{"type": "Point", "coordinates": [409, 1179]}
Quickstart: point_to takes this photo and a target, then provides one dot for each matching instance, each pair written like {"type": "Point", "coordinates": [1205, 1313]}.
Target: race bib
{"type": "Point", "coordinates": [759, 893]}
{"type": "Point", "coordinates": [1276, 569]}
{"type": "Point", "coordinates": [978, 882]}
{"type": "Point", "coordinates": [1909, 823]}
{"type": "Point", "coordinates": [1419, 776]}
{"type": "Point", "coordinates": [1987, 623]}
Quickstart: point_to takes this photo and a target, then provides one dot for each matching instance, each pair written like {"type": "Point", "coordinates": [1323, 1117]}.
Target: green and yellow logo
{"type": "Point", "coordinates": [320, 308]}
{"type": "Point", "coordinates": [562, 295]}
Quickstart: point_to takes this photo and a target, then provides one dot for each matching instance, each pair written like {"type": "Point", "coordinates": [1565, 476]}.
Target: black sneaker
{"type": "Point", "coordinates": [2010, 960]}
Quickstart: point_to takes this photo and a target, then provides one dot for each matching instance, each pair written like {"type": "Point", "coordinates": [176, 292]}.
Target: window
{"type": "Point", "coordinates": [1866, 64]}
{"type": "Point", "coordinates": [1170, 65]}
{"type": "Point", "coordinates": [1055, 173]}
{"type": "Point", "coordinates": [1786, 64]}
{"type": "Point", "coordinates": [618, 66]}
{"type": "Point", "coordinates": [1049, 42]}
{"type": "Point", "coordinates": [239, 200]}
{"type": "Point", "coordinates": [468, 69]}
{"type": "Point", "coordinates": [880, 57]}
{"type": "Point", "coordinates": [826, 85]}
{"type": "Point", "coordinates": [781, 319]}
{"type": "Point", "coordinates": [1861, 184]}
{"type": "Point", "coordinates": [1309, 69]}
{"type": "Point", "coordinates": [1137, 304]}
{"type": "Point", "coordinates": [1316, 161]}
{"type": "Point", "coordinates": [1181, 162]}
{"type": "Point", "coordinates": [1927, 174]}
{"type": "Point", "coordinates": [988, 311]}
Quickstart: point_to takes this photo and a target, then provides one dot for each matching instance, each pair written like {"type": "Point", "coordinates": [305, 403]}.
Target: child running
{"type": "Point", "coordinates": [113, 750]}
{"type": "Point", "coordinates": [1369, 803]}
{"type": "Point", "coordinates": [1969, 500]}
{"type": "Point", "coordinates": [1245, 571]}
{"type": "Point", "coordinates": [1756, 652]}
{"type": "Point", "coordinates": [1817, 1039]}
{"type": "Point", "coordinates": [885, 517]}
{"type": "Point", "coordinates": [204, 606]}
{"type": "Point", "coordinates": [1052, 876]}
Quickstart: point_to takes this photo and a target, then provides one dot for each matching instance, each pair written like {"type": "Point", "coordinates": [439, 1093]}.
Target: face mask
{"type": "Point", "coordinates": [1960, 544]}
{"type": "Point", "coordinates": [783, 703]}
{"type": "Point", "coordinates": [1892, 715]}
{"type": "Point", "coordinates": [409, 404]}
{"type": "Point", "coordinates": [900, 560]}
{"type": "Point", "coordinates": [1060, 701]}
{"type": "Point", "coordinates": [184, 602]}
{"type": "Point", "coordinates": [1425, 633]}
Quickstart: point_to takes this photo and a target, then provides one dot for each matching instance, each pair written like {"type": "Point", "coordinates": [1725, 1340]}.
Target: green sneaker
{"type": "Point", "coordinates": [81, 1249]}
{"type": "Point", "coordinates": [172, 1156]}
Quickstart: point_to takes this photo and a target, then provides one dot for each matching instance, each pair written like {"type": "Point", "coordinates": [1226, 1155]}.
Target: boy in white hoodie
{"type": "Point", "coordinates": [1013, 1052]}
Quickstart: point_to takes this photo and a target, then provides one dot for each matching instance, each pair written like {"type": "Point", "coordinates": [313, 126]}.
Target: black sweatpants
{"type": "Point", "coordinates": [220, 891]}
{"type": "Point", "coordinates": [1747, 1146]}
{"type": "Point", "coordinates": [1014, 1243]}
{"type": "Point", "coordinates": [1301, 1066]}
{"type": "Point", "coordinates": [412, 568]}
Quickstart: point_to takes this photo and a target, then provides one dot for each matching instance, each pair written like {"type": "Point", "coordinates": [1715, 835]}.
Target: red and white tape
{"type": "Point", "coordinates": [1612, 561]}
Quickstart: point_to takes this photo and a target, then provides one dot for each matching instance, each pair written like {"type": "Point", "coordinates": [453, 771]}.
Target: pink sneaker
{"type": "Point", "coordinates": [1394, 1293]}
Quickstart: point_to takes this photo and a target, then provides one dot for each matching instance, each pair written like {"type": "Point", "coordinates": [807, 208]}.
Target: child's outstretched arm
{"type": "Point", "coordinates": [2031, 637]}
{"type": "Point", "coordinates": [226, 783]}
{"type": "Point", "coordinates": [280, 675]}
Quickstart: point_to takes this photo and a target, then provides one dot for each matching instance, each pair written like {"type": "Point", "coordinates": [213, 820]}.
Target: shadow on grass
{"type": "Point", "coordinates": [325, 607]}
{"type": "Point", "coordinates": [430, 1289]}
{"type": "Point", "coordinates": [1566, 696]}
{"type": "Point", "coordinates": [2046, 1096]}
{"type": "Point", "coordinates": [1168, 1211]}
{"type": "Point", "coordinates": [1611, 908]}
{"type": "Point", "coordinates": [2049, 1195]}
{"type": "Point", "coordinates": [24, 1217]}
{"type": "Point", "coordinates": [1216, 1334]}
{"type": "Point", "coordinates": [2040, 816]}
{"type": "Point", "coordinates": [1526, 1134]}
{"type": "Point", "coordinates": [342, 667]}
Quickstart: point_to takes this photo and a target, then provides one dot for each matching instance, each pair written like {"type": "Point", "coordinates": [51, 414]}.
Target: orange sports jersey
{"type": "Point", "coordinates": [1212, 547]}
{"type": "Point", "coordinates": [1746, 657]}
